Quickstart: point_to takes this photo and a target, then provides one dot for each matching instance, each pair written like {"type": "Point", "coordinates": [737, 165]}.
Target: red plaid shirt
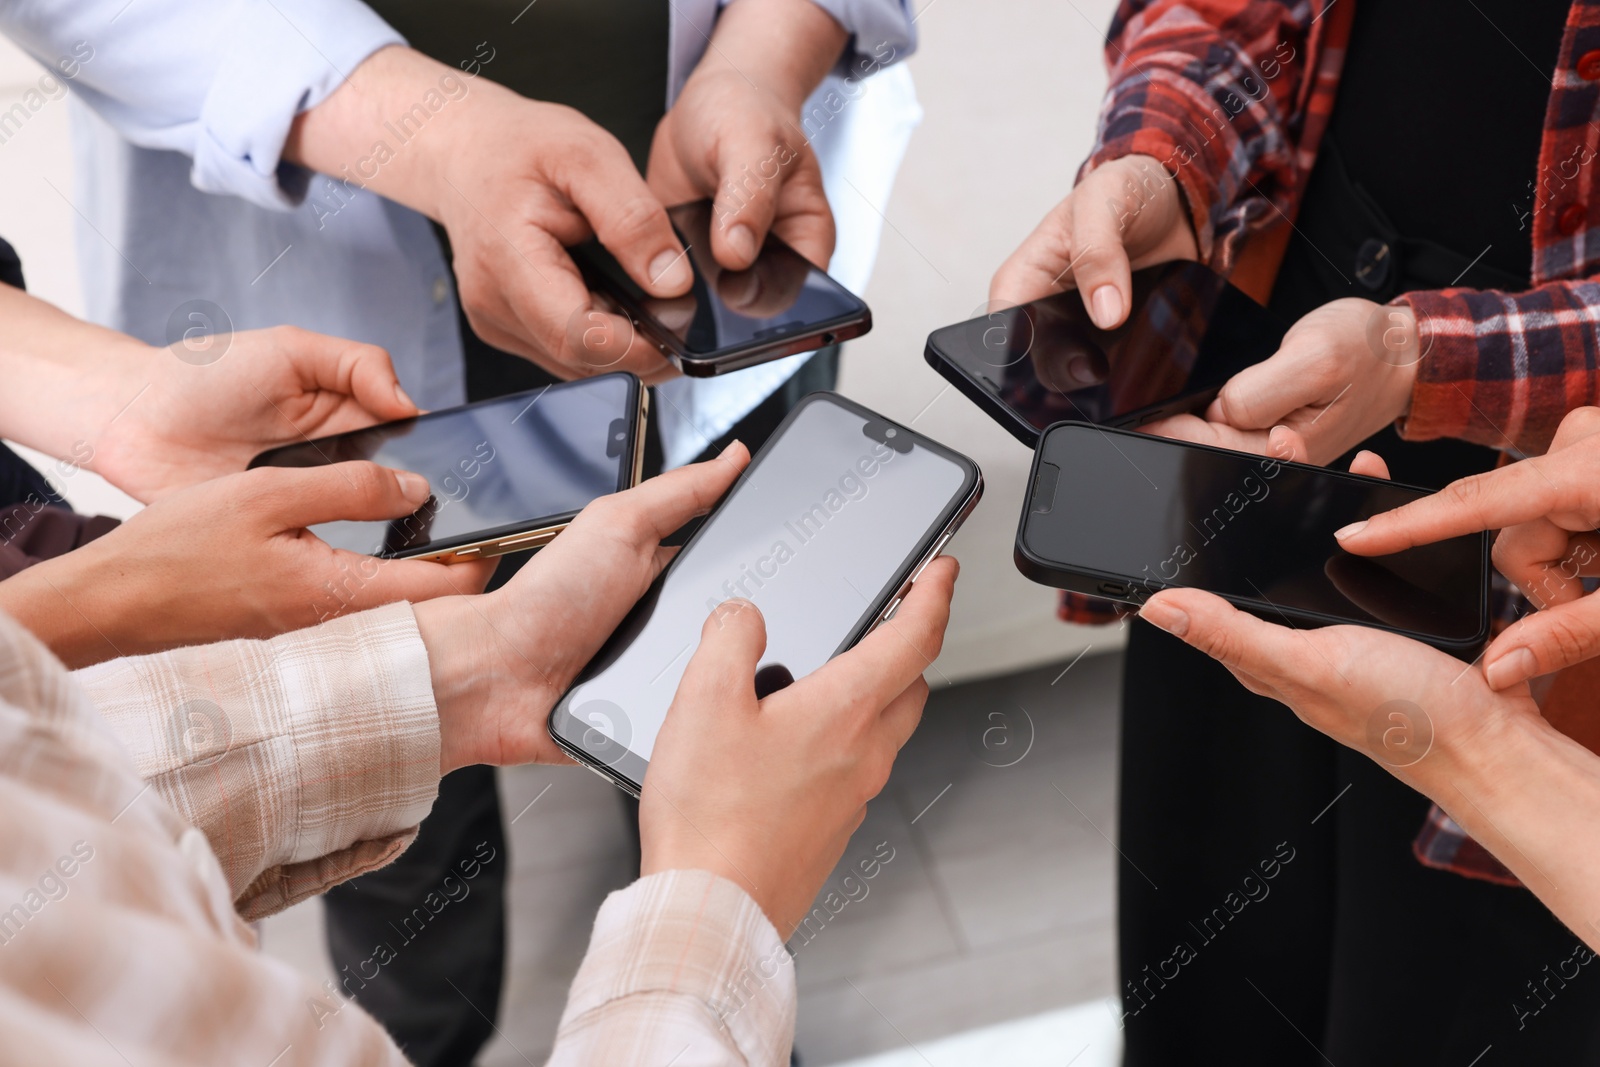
{"type": "Point", "coordinates": [1234, 95]}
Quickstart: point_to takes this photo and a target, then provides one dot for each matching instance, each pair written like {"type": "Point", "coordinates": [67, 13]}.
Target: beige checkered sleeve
{"type": "Point", "coordinates": [305, 760]}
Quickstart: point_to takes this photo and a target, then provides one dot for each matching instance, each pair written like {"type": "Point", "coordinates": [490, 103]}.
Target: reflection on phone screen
{"type": "Point", "coordinates": [541, 454]}
{"type": "Point", "coordinates": [1167, 514]}
{"type": "Point", "coordinates": [780, 295]}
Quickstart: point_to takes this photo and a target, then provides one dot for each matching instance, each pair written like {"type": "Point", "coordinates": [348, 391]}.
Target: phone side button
{"type": "Point", "coordinates": [467, 553]}
{"type": "Point", "coordinates": [931, 556]}
{"type": "Point", "coordinates": [888, 612]}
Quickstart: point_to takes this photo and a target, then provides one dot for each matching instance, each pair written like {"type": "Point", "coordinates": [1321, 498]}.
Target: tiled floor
{"type": "Point", "coordinates": [997, 904]}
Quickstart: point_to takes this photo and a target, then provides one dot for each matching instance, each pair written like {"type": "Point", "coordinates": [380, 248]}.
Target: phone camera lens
{"type": "Point", "coordinates": [889, 433]}
{"type": "Point", "coordinates": [618, 436]}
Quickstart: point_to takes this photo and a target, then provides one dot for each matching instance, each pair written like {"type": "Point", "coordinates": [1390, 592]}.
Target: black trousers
{"type": "Point", "coordinates": [1352, 953]}
{"type": "Point", "coordinates": [439, 993]}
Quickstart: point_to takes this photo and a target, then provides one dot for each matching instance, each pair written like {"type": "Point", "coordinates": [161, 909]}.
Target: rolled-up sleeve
{"type": "Point", "coordinates": [220, 81]}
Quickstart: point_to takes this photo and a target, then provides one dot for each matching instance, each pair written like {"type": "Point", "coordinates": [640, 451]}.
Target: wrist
{"type": "Point", "coordinates": [462, 691]}
{"type": "Point", "coordinates": [74, 608]}
{"type": "Point", "coordinates": [784, 47]}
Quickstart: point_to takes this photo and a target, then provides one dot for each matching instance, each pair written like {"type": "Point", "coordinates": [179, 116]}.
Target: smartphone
{"type": "Point", "coordinates": [1040, 363]}
{"type": "Point", "coordinates": [1120, 514]}
{"type": "Point", "coordinates": [824, 532]}
{"type": "Point", "coordinates": [781, 305]}
{"type": "Point", "coordinates": [507, 474]}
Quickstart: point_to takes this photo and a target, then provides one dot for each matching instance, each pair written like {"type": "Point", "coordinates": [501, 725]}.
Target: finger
{"type": "Point", "coordinates": [890, 658]}
{"type": "Point", "coordinates": [805, 221]}
{"type": "Point", "coordinates": [660, 505]}
{"type": "Point", "coordinates": [361, 371]}
{"type": "Point", "coordinates": [1520, 492]}
{"type": "Point", "coordinates": [1201, 432]}
{"type": "Point", "coordinates": [1541, 560]}
{"type": "Point", "coordinates": [1040, 266]}
{"type": "Point", "coordinates": [627, 218]}
{"type": "Point", "coordinates": [369, 583]}
{"type": "Point", "coordinates": [297, 497]}
{"type": "Point", "coordinates": [1369, 464]}
{"type": "Point", "coordinates": [1543, 643]}
{"type": "Point", "coordinates": [751, 166]}
{"type": "Point", "coordinates": [1100, 266]}
{"type": "Point", "coordinates": [1578, 424]}
{"type": "Point", "coordinates": [1288, 444]}
{"type": "Point", "coordinates": [722, 672]}
{"type": "Point", "coordinates": [1272, 655]}
{"type": "Point", "coordinates": [899, 720]}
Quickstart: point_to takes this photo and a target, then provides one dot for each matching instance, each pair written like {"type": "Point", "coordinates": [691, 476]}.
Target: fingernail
{"type": "Point", "coordinates": [403, 397]}
{"type": "Point", "coordinates": [743, 241]}
{"type": "Point", "coordinates": [1105, 306]}
{"type": "Point", "coordinates": [1351, 530]}
{"type": "Point", "coordinates": [1160, 614]}
{"type": "Point", "coordinates": [1515, 666]}
{"type": "Point", "coordinates": [670, 270]}
{"type": "Point", "coordinates": [414, 487]}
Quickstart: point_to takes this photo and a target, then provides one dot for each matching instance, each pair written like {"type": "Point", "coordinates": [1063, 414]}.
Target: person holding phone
{"type": "Point", "coordinates": [1476, 740]}
{"type": "Point", "coordinates": [158, 804]}
{"type": "Point", "coordinates": [379, 185]}
{"type": "Point", "coordinates": [1260, 137]}
{"type": "Point", "coordinates": [227, 558]}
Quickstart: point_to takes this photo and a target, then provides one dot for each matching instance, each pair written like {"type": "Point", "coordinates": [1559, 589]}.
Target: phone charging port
{"type": "Point", "coordinates": [1116, 589]}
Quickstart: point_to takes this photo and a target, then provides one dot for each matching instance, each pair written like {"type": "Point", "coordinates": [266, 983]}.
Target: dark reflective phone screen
{"type": "Point", "coordinates": [778, 296]}
{"type": "Point", "coordinates": [1164, 513]}
{"type": "Point", "coordinates": [1189, 332]}
{"type": "Point", "coordinates": [814, 534]}
{"type": "Point", "coordinates": [494, 465]}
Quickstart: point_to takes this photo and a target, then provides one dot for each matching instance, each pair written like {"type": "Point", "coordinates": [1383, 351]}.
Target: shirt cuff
{"type": "Point", "coordinates": [305, 760]}
{"type": "Point", "coordinates": [287, 56]}
{"type": "Point", "coordinates": [881, 33]}
{"type": "Point", "coordinates": [685, 957]}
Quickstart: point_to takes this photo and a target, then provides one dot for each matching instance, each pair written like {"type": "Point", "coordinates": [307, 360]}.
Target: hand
{"type": "Point", "coordinates": [1323, 392]}
{"type": "Point", "coordinates": [1124, 214]}
{"type": "Point", "coordinates": [1547, 509]}
{"type": "Point", "coordinates": [514, 182]}
{"type": "Point", "coordinates": [734, 137]}
{"type": "Point", "coordinates": [766, 792]}
{"type": "Point", "coordinates": [229, 558]}
{"type": "Point", "coordinates": [1516, 785]}
{"type": "Point", "coordinates": [184, 422]}
{"type": "Point", "coordinates": [502, 660]}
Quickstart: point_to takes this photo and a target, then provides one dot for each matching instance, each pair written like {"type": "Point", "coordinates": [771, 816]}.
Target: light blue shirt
{"type": "Point", "coordinates": [190, 99]}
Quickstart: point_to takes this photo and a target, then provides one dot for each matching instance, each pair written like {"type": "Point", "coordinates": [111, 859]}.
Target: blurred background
{"type": "Point", "coordinates": [988, 937]}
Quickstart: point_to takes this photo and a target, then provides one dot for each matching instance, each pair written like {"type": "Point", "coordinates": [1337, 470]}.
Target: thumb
{"type": "Point", "coordinates": [1265, 657]}
{"type": "Point", "coordinates": [297, 497]}
{"type": "Point", "coordinates": [1544, 642]}
{"type": "Point", "coordinates": [722, 671]}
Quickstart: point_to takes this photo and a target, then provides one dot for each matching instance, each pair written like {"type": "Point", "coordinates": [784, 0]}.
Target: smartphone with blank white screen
{"type": "Point", "coordinates": [824, 533]}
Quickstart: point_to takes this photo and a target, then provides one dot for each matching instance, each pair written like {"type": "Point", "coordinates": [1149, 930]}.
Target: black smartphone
{"type": "Point", "coordinates": [781, 305]}
{"type": "Point", "coordinates": [1120, 514]}
{"type": "Point", "coordinates": [507, 474]}
{"type": "Point", "coordinates": [824, 532]}
{"type": "Point", "coordinates": [1039, 363]}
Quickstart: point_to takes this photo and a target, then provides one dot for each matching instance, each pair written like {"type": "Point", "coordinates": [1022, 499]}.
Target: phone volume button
{"type": "Point", "coordinates": [468, 553]}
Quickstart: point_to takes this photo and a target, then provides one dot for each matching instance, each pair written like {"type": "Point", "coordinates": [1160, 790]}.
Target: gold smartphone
{"type": "Point", "coordinates": [507, 474]}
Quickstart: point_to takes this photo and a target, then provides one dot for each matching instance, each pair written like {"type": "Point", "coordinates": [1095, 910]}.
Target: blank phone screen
{"type": "Point", "coordinates": [514, 462]}
{"type": "Point", "coordinates": [816, 533]}
{"type": "Point", "coordinates": [1163, 513]}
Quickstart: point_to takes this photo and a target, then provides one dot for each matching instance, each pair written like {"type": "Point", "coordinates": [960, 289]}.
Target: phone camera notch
{"type": "Point", "coordinates": [889, 435]}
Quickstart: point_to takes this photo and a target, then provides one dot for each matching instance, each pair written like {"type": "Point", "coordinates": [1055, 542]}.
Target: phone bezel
{"type": "Point", "coordinates": [1059, 575]}
{"type": "Point", "coordinates": [528, 534]}
{"type": "Point", "coordinates": [936, 353]}
{"type": "Point", "coordinates": [818, 335]}
{"type": "Point", "coordinates": [878, 610]}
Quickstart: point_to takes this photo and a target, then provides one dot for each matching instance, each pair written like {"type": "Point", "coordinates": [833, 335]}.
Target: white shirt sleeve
{"type": "Point", "coordinates": [881, 32]}
{"type": "Point", "coordinates": [220, 81]}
